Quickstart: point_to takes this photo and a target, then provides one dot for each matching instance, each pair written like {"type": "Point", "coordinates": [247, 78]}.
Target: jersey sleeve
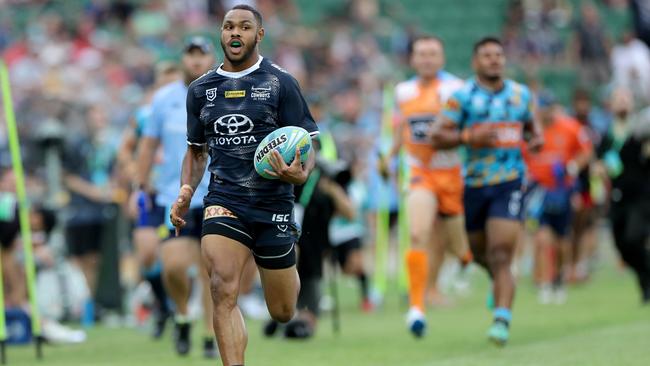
{"type": "Point", "coordinates": [152, 126]}
{"type": "Point", "coordinates": [453, 109]}
{"type": "Point", "coordinates": [195, 130]}
{"type": "Point", "coordinates": [293, 110]}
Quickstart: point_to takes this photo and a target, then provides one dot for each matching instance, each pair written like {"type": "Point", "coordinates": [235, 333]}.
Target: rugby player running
{"type": "Point", "coordinates": [180, 254]}
{"type": "Point", "coordinates": [435, 197]}
{"type": "Point", "coordinates": [230, 111]}
{"type": "Point", "coordinates": [491, 115]}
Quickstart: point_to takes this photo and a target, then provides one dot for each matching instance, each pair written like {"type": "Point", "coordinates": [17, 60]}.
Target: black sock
{"type": "Point", "coordinates": [363, 282]}
{"type": "Point", "coordinates": [309, 295]}
{"type": "Point", "coordinates": [159, 292]}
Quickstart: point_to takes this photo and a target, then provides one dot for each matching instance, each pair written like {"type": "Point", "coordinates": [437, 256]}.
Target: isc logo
{"type": "Point", "coordinates": [280, 218]}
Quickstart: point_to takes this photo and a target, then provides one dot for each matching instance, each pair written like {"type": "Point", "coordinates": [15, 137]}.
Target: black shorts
{"type": "Point", "coordinates": [342, 251]}
{"type": "Point", "coordinates": [84, 239]}
{"type": "Point", "coordinates": [193, 225]}
{"type": "Point", "coordinates": [268, 228]}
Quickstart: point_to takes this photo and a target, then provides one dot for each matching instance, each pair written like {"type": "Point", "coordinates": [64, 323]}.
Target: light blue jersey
{"type": "Point", "coordinates": [168, 124]}
{"type": "Point", "coordinates": [142, 115]}
{"type": "Point", "coordinates": [507, 111]}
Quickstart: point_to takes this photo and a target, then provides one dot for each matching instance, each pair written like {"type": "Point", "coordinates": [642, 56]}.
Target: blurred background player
{"type": "Point", "coordinates": [625, 157]}
{"type": "Point", "coordinates": [147, 214]}
{"type": "Point", "coordinates": [490, 115]}
{"type": "Point", "coordinates": [318, 202]}
{"type": "Point", "coordinates": [591, 197]}
{"type": "Point", "coordinates": [553, 171]}
{"type": "Point", "coordinates": [88, 175]}
{"type": "Point", "coordinates": [436, 186]}
{"type": "Point", "coordinates": [166, 128]}
{"type": "Point", "coordinates": [347, 233]}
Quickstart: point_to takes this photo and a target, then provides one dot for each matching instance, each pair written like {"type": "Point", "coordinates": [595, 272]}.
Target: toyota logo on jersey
{"type": "Point", "coordinates": [233, 124]}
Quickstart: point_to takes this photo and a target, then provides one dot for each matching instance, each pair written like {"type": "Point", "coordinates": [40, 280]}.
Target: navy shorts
{"type": "Point", "coordinates": [503, 200]}
{"type": "Point", "coordinates": [556, 211]}
{"type": "Point", "coordinates": [193, 225]}
{"type": "Point", "coordinates": [152, 216]}
{"type": "Point", "coordinates": [267, 228]}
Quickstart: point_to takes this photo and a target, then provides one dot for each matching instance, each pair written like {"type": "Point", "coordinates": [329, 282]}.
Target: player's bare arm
{"type": "Point", "coordinates": [342, 202]}
{"type": "Point", "coordinates": [146, 149]}
{"type": "Point", "coordinates": [296, 173]}
{"type": "Point", "coordinates": [194, 163]}
{"type": "Point", "coordinates": [146, 152]}
{"type": "Point", "coordinates": [126, 151]}
{"type": "Point", "coordinates": [384, 160]}
{"type": "Point", "coordinates": [533, 131]}
{"type": "Point", "coordinates": [87, 189]}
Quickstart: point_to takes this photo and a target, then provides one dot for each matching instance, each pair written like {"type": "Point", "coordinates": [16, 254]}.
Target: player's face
{"type": "Point", "coordinates": [489, 62]}
{"type": "Point", "coordinates": [428, 57]}
{"type": "Point", "coordinates": [239, 35]}
{"type": "Point", "coordinates": [582, 106]}
{"type": "Point", "coordinates": [546, 114]}
{"type": "Point", "coordinates": [196, 63]}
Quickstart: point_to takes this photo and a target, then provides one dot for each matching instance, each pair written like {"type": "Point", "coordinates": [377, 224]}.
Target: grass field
{"type": "Point", "coordinates": [602, 324]}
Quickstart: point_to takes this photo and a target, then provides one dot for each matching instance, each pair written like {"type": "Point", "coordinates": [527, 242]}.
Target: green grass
{"type": "Point", "coordinates": [602, 324]}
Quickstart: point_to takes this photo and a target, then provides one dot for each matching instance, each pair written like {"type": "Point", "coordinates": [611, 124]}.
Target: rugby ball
{"type": "Point", "coordinates": [285, 140]}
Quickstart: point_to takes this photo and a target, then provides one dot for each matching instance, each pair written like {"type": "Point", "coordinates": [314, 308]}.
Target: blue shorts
{"type": "Point", "coordinates": [267, 228]}
{"type": "Point", "coordinates": [556, 211]}
{"type": "Point", "coordinates": [152, 216]}
{"type": "Point", "coordinates": [503, 200]}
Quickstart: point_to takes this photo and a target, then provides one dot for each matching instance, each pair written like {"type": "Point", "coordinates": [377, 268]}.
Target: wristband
{"type": "Point", "coordinates": [138, 187]}
{"type": "Point", "coordinates": [188, 187]}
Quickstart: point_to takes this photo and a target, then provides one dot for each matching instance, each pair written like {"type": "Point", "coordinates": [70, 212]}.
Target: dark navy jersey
{"type": "Point", "coordinates": [232, 112]}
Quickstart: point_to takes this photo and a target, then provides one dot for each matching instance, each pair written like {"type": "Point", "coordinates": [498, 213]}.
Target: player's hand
{"type": "Point", "coordinates": [535, 143]}
{"type": "Point", "coordinates": [294, 173]}
{"type": "Point", "coordinates": [180, 207]}
{"type": "Point", "coordinates": [135, 204]}
{"type": "Point", "coordinates": [484, 135]}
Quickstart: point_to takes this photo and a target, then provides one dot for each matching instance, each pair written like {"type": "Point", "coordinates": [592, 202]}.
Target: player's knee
{"type": "Point", "coordinates": [282, 312]}
{"type": "Point", "coordinates": [223, 291]}
{"type": "Point", "coordinates": [499, 256]}
{"type": "Point", "coordinates": [148, 259]}
{"type": "Point", "coordinates": [419, 239]}
{"type": "Point", "coordinates": [174, 265]}
{"type": "Point", "coordinates": [353, 265]}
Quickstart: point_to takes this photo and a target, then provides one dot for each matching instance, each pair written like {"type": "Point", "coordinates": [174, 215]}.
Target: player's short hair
{"type": "Point", "coordinates": [165, 68]}
{"type": "Point", "coordinates": [423, 37]}
{"type": "Point", "coordinates": [485, 41]}
{"type": "Point", "coordinates": [256, 13]}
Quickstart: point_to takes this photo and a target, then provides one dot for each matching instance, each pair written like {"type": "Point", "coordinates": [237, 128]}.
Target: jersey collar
{"type": "Point", "coordinates": [239, 74]}
{"type": "Point", "coordinates": [506, 85]}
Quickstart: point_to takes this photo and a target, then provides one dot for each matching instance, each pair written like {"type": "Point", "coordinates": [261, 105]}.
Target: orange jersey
{"type": "Point", "coordinates": [564, 140]}
{"type": "Point", "coordinates": [418, 107]}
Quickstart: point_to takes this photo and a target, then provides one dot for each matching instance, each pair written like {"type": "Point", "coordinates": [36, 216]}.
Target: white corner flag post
{"type": "Point", "coordinates": [23, 211]}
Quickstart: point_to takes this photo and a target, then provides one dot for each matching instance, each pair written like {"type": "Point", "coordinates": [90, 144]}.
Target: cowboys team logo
{"type": "Point", "coordinates": [211, 94]}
